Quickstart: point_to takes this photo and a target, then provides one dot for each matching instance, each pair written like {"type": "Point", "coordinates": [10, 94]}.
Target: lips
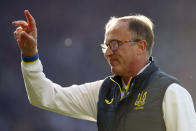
{"type": "Point", "coordinates": [113, 61]}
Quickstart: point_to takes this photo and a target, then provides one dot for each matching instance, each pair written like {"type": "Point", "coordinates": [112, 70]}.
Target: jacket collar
{"type": "Point", "coordinates": [152, 67]}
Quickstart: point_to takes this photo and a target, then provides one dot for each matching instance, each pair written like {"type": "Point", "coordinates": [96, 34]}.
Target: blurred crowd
{"type": "Point", "coordinates": [69, 34]}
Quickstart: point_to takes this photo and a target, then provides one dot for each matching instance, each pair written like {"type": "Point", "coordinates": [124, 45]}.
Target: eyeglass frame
{"type": "Point", "coordinates": [105, 46]}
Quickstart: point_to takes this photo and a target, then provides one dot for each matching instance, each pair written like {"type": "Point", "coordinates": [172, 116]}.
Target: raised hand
{"type": "Point", "coordinates": [26, 35]}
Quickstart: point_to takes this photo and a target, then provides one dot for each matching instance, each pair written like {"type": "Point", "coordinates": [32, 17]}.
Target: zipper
{"type": "Point", "coordinates": [118, 87]}
{"type": "Point", "coordinates": [128, 85]}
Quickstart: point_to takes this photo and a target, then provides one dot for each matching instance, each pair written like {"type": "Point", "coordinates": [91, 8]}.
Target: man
{"type": "Point", "coordinates": [139, 96]}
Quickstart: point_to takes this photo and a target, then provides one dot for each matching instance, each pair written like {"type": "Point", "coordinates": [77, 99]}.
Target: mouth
{"type": "Point", "coordinates": [113, 62]}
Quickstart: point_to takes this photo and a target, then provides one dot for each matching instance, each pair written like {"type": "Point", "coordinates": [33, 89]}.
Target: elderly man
{"type": "Point", "coordinates": [139, 96]}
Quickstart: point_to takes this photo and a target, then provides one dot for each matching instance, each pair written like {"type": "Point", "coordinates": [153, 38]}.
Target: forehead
{"type": "Point", "coordinates": [118, 30]}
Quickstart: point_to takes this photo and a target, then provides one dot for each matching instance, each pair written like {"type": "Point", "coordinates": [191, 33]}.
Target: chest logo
{"type": "Point", "coordinates": [139, 103]}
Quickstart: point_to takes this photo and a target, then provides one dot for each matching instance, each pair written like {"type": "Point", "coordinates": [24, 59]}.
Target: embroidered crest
{"type": "Point", "coordinates": [139, 103]}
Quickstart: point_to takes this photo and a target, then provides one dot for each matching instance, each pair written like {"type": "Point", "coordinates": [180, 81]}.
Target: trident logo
{"type": "Point", "coordinates": [139, 103]}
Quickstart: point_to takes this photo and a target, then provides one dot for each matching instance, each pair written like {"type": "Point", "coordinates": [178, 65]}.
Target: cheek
{"type": "Point", "coordinates": [125, 56]}
{"type": "Point", "coordinates": [128, 57]}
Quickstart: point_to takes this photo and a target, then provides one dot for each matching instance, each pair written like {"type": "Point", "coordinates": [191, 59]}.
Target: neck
{"type": "Point", "coordinates": [133, 71]}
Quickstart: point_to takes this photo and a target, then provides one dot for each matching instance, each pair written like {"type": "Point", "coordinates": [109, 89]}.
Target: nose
{"type": "Point", "coordinates": [108, 52]}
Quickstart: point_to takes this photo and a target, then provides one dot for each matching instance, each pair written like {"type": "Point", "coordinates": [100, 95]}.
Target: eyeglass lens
{"type": "Point", "coordinates": [113, 45]}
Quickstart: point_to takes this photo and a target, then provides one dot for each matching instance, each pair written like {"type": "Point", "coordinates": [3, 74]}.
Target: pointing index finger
{"type": "Point", "coordinates": [30, 20]}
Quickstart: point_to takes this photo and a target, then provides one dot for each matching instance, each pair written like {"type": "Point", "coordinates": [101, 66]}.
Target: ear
{"type": "Point", "coordinates": [141, 46]}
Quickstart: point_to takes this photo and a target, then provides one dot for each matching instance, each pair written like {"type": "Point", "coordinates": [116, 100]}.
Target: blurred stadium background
{"type": "Point", "coordinates": [69, 34]}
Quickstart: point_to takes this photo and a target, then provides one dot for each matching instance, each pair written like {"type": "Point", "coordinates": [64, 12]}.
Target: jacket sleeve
{"type": "Point", "coordinates": [78, 101]}
{"type": "Point", "coordinates": [178, 109]}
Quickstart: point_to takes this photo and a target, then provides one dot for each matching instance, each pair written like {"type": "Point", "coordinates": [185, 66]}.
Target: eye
{"type": "Point", "coordinates": [114, 45]}
{"type": "Point", "coordinates": [113, 42]}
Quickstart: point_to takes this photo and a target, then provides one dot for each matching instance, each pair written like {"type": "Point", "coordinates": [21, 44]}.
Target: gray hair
{"type": "Point", "coordinates": [140, 26]}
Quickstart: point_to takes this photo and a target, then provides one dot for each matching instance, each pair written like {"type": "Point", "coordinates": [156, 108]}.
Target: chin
{"type": "Point", "coordinates": [115, 71]}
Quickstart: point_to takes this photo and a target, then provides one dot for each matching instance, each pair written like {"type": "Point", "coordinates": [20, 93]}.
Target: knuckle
{"type": "Point", "coordinates": [19, 29]}
{"type": "Point", "coordinates": [23, 32]}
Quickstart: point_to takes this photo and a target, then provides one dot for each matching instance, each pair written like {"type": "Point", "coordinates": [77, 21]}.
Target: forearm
{"type": "Point", "coordinates": [77, 101]}
{"type": "Point", "coordinates": [40, 90]}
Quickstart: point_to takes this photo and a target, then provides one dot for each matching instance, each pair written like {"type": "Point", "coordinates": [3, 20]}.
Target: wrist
{"type": "Point", "coordinates": [30, 52]}
{"type": "Point", "coordinates": [30, 59]}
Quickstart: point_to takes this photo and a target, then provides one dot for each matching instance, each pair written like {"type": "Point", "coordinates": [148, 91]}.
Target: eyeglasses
{"type": "Point", "coordinates": [114, 44]}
